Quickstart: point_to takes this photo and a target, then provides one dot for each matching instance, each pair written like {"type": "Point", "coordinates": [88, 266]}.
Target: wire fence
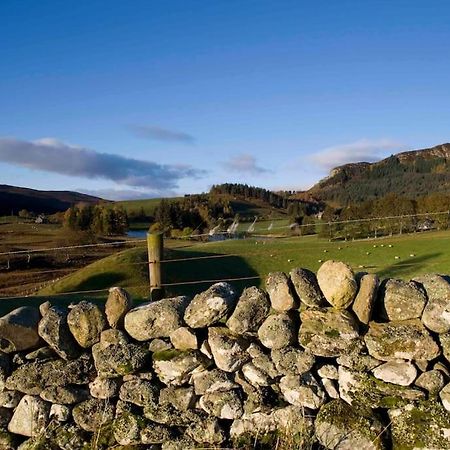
{"type": "Point", "coordinates": [339, 229]}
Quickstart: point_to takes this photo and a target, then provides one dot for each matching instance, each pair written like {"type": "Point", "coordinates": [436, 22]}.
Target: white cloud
{"type": "Point", "coordinates": [52, 155]}
{"type": "Point", "coordinates": [244, 163]}
{"type": "Point", "coordinates": [363, 150]}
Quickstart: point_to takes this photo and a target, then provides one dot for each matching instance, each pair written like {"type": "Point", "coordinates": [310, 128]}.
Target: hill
{"type": "Point", "coordinates": [13, 199]}
{"type": "Point", "coordinates": [410, 174]}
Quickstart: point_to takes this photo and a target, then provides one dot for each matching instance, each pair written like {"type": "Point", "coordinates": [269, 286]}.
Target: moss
{"type": "Point", "coordinates": [166, 355]}
{"type": "Point", "coordinates": [332, 333]}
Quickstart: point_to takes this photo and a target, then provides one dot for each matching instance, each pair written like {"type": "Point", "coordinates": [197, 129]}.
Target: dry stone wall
{"type": "Point", "coordinates": [335, 361]}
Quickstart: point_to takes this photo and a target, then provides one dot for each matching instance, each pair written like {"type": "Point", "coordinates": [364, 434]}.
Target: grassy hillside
{"type": "Point", "coordinates": [410, 174]}
{"type": "Point", "coordinates": [13, 199]}
{"type": "Point", "coordinates": [419, 253]}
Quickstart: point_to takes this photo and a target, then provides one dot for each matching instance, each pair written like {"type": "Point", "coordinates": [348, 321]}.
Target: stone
{"type": "Point", "coordinates": [228, 349]}
{"type": "Point", "coordinates": [436, 315]}
{"type": "Point", "coordinates": [278, 331]}
{"type": "Point", "coordinates": [18, 330]}
{"type": "Point", "coordinates": [182, 398]}
{"type": "Point", "coordinates": [93, 414]}
{"type": "Point", "coordinates": [358, 361]}
{"type": "Point", "coordinates": [169, 415]}
{"type": "Point", "coordinates": [251, 310]}
{"type": "Point", "coordinates": [184, 338]}
{"type": "Point", "coordinates": [5, 369]}
{"type": "Point", "coordinates": [32, 378]}
{"type": "Point", "coordinates": [365, 389]}
{"type": "Point", "coordinates": [278, 287]}
{"type": "Point", "coordinates": [30, 417]}
{"type": "Point", "coordinates": [328, 371]}
{"type": "Point", "coordinates": [112, 336]}
{"type": "Point", "coordinates": [420, 425]}
{"type": "Point", "coordinates": [337, 282]}
{"type": "Point", "coordinates": [432, 381]}
{"type": "Point", "coordinates": [42, 354]}
{"type": "Point", "coordinates": [156, 319]}
{"type": "Point", "coordinates": [292, 361]}
{"type": "Point", "coordinates": [444, 340]}
{"type": "Point", "coordinates": [302, 390]}
{"type": "Point", "coordinates": [179, 443]}
{"type": "Point", "coordinates": [65, 395]}
{"type": "Point", "coordinates": [104, 388]}
{"type": "Point", "coordinates": [159, 345]}
{"type": "Point", "coordinates": [54, 330]}
{"type": "Point", "coordinates": [406, 339]}
{"type": "Point", "coordinates": [327, 331]}
{"type": "Point", "coordinates": [117, 306]}
{"type": "Point", "coordinates": [61, 413]}
{"type": "Point", "coordinates": [119, 359]}
{"type": "Point", "coordinates": [139, 392]}
{"type": "Point", "coordinates": [214, 380]}
{"type": "Point", "coordinates": [444, 395]}
{"type": "Point", "coordinates": [265, 364]}
{"type": "Point", "coordinates": [5, 417]}
{"type": "Point", "coordinates": [307, 288]}
{"type": "Point", "coordinates": [210, 306]}
{"type": "Point", "coordinates": [403, 300]}
{"type": "Point", "coordinates": [174, 367]}
{"type": "Point", "coordinates": [208, 431]}
{"type": "Point", "coordinates": [69, 436]}
{"type": "Point", "coordinates": [398, 372]}
{"type": "Point", "coordinates": [340, 426]}
{"type": "Point", "coordinates": [271, 427]}
{"type": "Point", "coordinates": [438, 365]}
{"type": "Point", "coordinates": [223, 405]}
{"type": "Point", "coordinates": [9, 399]}
{"type": "Point", "coordinates": [330, 387]}
{"type": "Point", "coordinates": [86, 322]}
{"type": "Point", "coordinates": [254, 375]}
{"type": "Point", "coordinates": [365, 298]}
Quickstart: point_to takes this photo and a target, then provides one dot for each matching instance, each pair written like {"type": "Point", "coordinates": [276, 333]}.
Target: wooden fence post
{"type": "Point", "coordinates": [155, 246]}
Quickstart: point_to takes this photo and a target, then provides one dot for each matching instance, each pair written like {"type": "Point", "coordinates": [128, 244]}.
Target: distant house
{"type": "Point", "coordinates": [40, 219]}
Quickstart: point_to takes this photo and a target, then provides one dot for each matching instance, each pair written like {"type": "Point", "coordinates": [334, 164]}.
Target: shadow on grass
{"type": "Point", "coordinates": [204, 270]}
{"type": "Point", "coordinates": [402, 268]}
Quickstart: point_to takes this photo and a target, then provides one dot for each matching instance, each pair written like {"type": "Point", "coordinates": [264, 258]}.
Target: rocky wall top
{"type": "Point", "coordinates": [333, 360]}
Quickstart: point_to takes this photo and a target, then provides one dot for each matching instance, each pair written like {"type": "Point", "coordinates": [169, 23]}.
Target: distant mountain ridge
{"type": "Point", "coordinates": [14, 198]}
{"type": "Point", "coordinates": [411, 174]}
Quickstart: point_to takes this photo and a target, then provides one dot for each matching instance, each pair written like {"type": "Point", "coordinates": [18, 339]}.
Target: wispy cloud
{"type": "Point", "coordinates": [244, 163]}
{"type": "Point", "coordinates": [52, 155]}
{"type": "Point", "coordinates": [156, 133]}
{"type": "Point", "coordinates": [366, 150]}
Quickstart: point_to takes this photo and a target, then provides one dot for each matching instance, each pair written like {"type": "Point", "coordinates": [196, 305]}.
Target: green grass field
{"type": "Point", "coordinates": [416, 254]}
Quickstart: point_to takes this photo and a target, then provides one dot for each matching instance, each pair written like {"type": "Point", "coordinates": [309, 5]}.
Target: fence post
{"type": "Point", "coordinates": [155, 247]}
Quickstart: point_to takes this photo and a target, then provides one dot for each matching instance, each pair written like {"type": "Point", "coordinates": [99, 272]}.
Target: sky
{"type": "Point", "coordinates": [145, 98]}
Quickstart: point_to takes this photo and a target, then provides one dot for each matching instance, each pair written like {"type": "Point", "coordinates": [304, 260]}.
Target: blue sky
{"type": "Point", "coordinates": [149, 98]}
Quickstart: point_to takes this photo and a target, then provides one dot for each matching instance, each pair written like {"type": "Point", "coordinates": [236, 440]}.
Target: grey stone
{"type": "Point", "coordinates": [65, 395]}
{"type": "Point", "coordinates": [420, 425]}
{"type": "Point", "coordinates": [278, 287]}
{"type": "Point", "coordinates": [182, 398]}
{"type": "Point", "coordinates": [406, 339]}
{"type": "Point", "coordinates": [362, 388]}
{"type": "Point", "coordinates": [93, 414]}
{"type": "Point", "coordinates": [9, 399]}
{"type": "Point", "coordinates": [444, 395]}
{"type": "Point", "coordinates": [117, 305]}
{"type": "Point", "coordinates": [104, 388]}
{"type": "Point", "coordinates": [174, 367]}
{"type": "Point", "coordinates": [255, 375]}
{"type": "Point", "coordinates": [302, 390]}
{"type": "Point", "coordinates": [61, 413]}
{"type": "Point", "coordinates": [328, 371]}
{"type": "Point", "coordinates": [292, 361]}
{"type": "Point", "coordinates": [159, 345]}
{"type": "Point", "coordinates": [436, 315]}
{"type": "Point", "coordinates": [330, 387]}
{"type": "Point", "coordinates": [54, 330]}
{"type": "Point", "coordinates": [432, 381]}
{"type": "Point", "coordinates": [223, 405]}
{"type": "Point", "coordinates": [210, 306]}
{"type": "Point", "coordinates": [18, 330]}
{"type": "Point", "coordinates": [208, 431]}
{"type": "Point", "coordinates": [278, 331]}
{"type": "Point", "coordinates": [156, 319]}
{"type": "Point", "coordinates": [327, 331]}
{"type": "Point", "coordinates": [337, 282]}
{"type": "Point", "coordinates": [307, 287]}
{"type": "Point", "coordinates": [397, 372]}
{"type": "Point", "coordinates": [139, 392]}
{"type": "Point", "coordinates": [184, 338]}
{"type": "Point", "coordinates": [251, 310]}
{"type": "Point", "coordinates": [86, 322]}
{"type": "Point", "coordinates": [214, 380]}
{"type": "Point", "coordinates": [119, 359]}
{"type": "Point", "coordinates": [365, 299]}
{"type": "Point", "coordinates": [30, 417]}
{"type": "Point", "coordinates": [403, 300]}
{"type": "Point", "coordinates": [342, 427]}
{"type": "Point", "coordinates": [228, 349]}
